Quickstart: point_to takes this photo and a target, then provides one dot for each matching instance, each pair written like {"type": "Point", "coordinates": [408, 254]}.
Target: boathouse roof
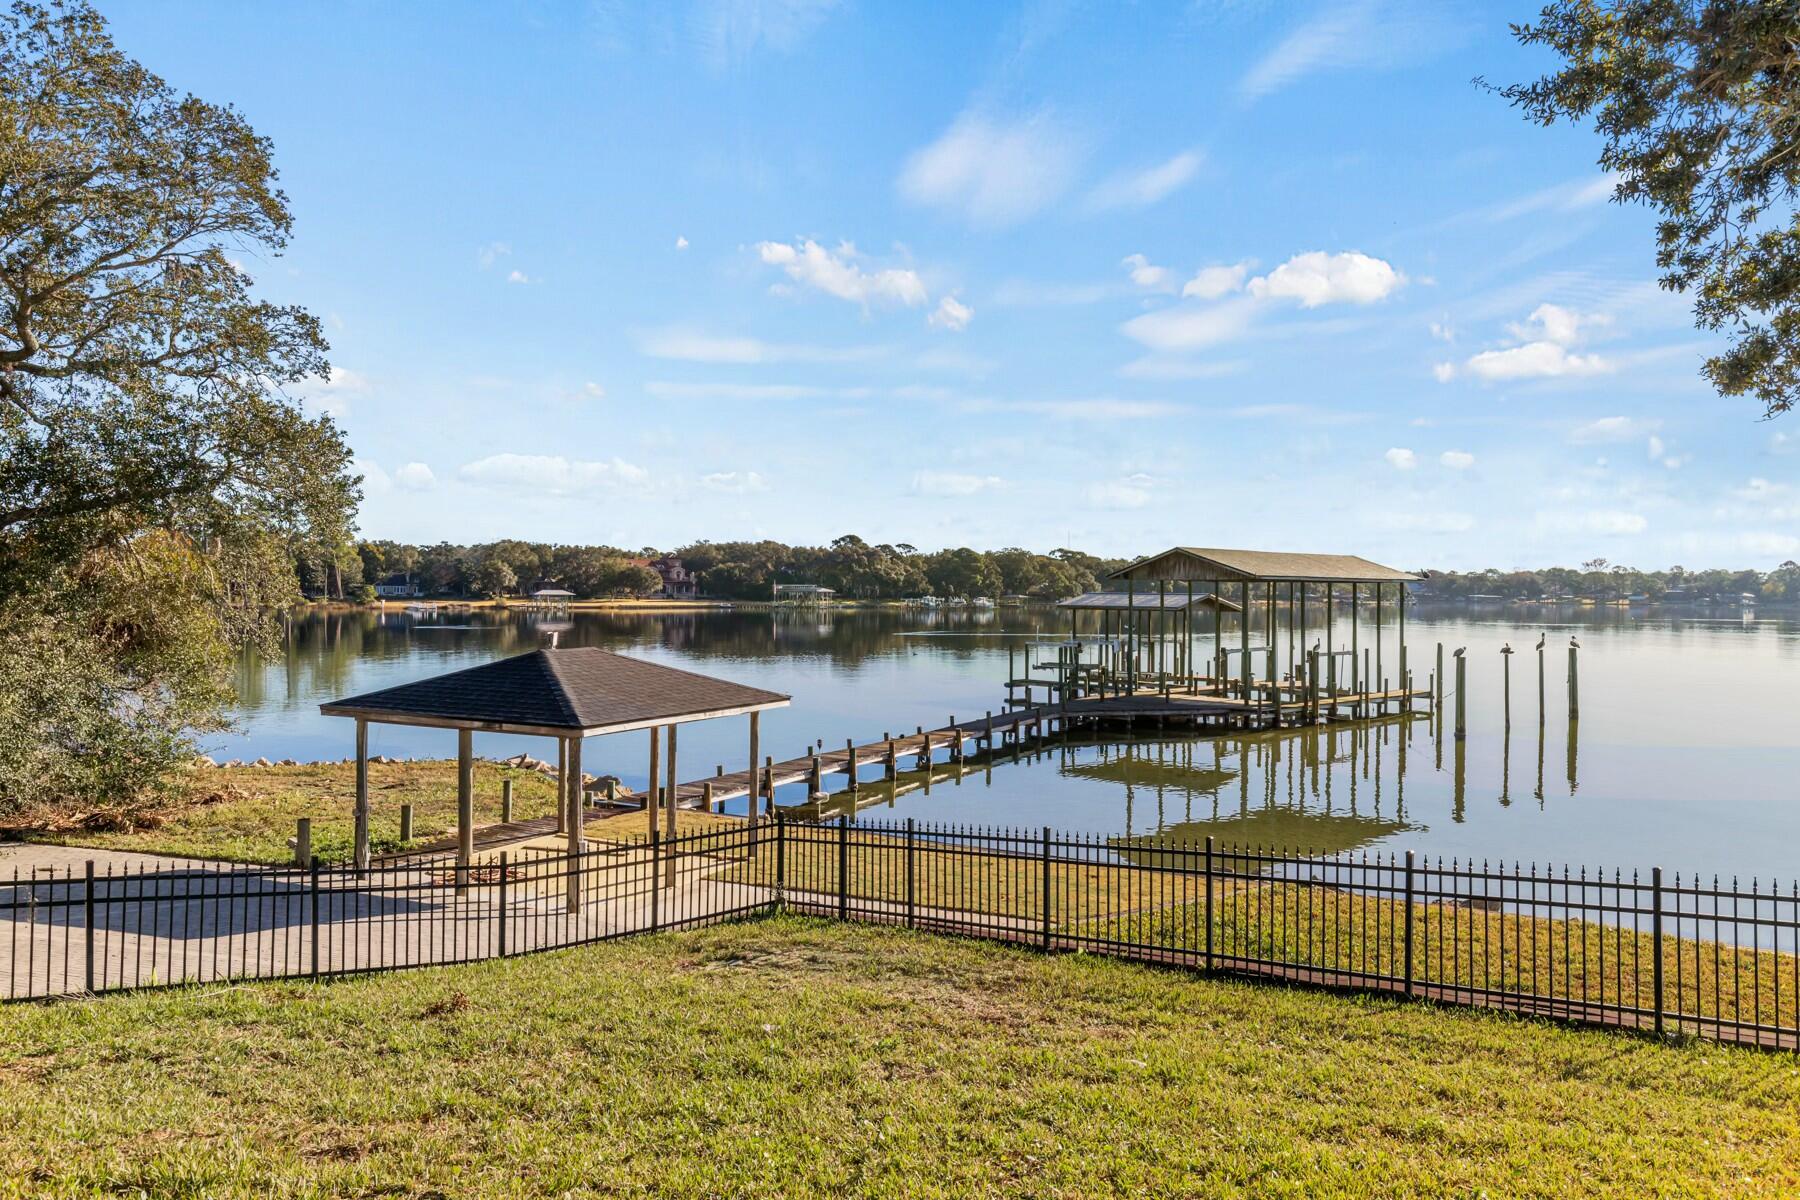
{"type": "Point", "coordinates": [1107, 601]}
{"type": "Point", "coordinates": [1259, 566]}
{"type": "Point", "coordinates": [558, 693]}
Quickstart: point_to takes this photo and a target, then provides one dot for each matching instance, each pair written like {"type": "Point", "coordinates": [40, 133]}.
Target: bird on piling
{"type": "Point", "coordinates": [1458, 652]}
{"type": "Point", "coordinates": [1506, 648]}
{"type": "Point", "coordinates": [1573, 643]}
{"type": "Point", "coordinates": [1542, 638]}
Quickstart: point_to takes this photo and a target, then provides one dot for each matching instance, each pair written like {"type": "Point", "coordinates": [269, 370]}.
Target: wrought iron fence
{"type": "Point", "coordinates": [1664, 953]}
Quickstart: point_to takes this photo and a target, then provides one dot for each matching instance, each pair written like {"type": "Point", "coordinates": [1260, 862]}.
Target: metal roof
{"type": "Point", "coordinates": [1107, 601]}
{"type": "Point", "coordinates": [556, 693]}
{"type": "Point", "coordinates": [1260, 566]}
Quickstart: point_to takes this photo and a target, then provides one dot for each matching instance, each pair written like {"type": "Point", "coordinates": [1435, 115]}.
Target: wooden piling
{"type": "Point", "coordinates": [406, 822]}
{"type": "Point", "coordinates": [303, 842]}
{"type": "Point", "coordinates": [1462, 695]}
{"type": "Point", "coordinates": [1574, 682]}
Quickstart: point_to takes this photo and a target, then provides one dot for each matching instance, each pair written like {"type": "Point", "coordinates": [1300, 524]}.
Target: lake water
{"type": "Point", "coordinates": [1687, 753]}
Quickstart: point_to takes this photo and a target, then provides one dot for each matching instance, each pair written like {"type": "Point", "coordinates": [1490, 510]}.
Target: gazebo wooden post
{"type": "Point", "coordinates": [671, 800]}
{"type": "Point", "coordinates": [650, 796]}
{"type": "Point", "coordinates": [465, 805]}
{"type": "Point", "coordinates": [1218, 668]}
{"type": "Point", "coordinates": [362, 796]}
{"type": "Point", "coordinates": [562, 784]}
{"type": "Point", "coordinates": [571, 806]}
{"type": "Point", "coordinates": [755, 760]}
{"type": "Point", "coordinates": [1244, 619]}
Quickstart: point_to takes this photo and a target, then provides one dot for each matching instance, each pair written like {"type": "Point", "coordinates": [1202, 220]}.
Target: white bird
{"type": "Point", "coordinates": [1574, 643]}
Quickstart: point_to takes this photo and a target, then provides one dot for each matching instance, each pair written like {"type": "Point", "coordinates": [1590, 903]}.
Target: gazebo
{"type": "Point", "coordinates": [567, 694]}
{"type": "Point", "coordinates": [1284, 581]}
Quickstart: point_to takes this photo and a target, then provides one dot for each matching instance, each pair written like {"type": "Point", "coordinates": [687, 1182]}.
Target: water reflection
{"type": "Point", "coordinates": [1684, 753]}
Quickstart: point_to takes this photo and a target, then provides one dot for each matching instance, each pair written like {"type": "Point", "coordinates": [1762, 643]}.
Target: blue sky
{"type": "Point", "coordinates": [1270, 275]}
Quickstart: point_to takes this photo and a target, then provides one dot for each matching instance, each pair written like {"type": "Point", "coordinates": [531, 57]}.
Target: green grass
{"type": "Point", "coordinates": [792, 1058]}
{"type": "Point", "coordinates": [247, 814]}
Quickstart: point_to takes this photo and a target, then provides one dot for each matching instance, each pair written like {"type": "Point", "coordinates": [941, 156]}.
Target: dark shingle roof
{"type": "Point", "coordinates": [576, 688]}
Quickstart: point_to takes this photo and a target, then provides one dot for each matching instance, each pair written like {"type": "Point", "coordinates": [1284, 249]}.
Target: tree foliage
{"type": "Point", "coordinates": [148, 444]}
{"type": "Point", "coordinates": [1699, 105]}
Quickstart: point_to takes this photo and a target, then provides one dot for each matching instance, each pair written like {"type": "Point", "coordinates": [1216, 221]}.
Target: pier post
{"type": "Point", "coordinates": [755, 759]}
{"type": "Point", "coordinates": [506, 800]}
{"type": "Point", "coordinates": [1462, 695]}
{"type": "Point", "coordinates": [1540, 658]}
{"type": "Point", "coordinates": [1506, 653]}
{"type": "Point", "coordinates": [850, 761]}
{"type": "Point", "coordinates": [768, 783]}
{"type": "Point", "coordinates": [650, 789]}
{"type": "Point", "coordinates": [1439, 677]}
{"type": "Point", "coordinates": [406, 822]}
{"type": "Point", "coordinates": [1574, 681]}
{"type": "Point", "coordinates": [302, 841]}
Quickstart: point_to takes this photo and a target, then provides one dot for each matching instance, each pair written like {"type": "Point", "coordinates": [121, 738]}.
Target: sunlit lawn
{"type": "Point", "coordinates": [793, 1058]}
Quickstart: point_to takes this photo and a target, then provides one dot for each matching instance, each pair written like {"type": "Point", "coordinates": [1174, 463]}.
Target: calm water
{"type": "Point", "coordinates": [1687, 752]}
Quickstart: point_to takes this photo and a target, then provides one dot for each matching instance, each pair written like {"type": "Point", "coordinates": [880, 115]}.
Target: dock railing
{"type": "Point", "coordinates": [1649, 950]}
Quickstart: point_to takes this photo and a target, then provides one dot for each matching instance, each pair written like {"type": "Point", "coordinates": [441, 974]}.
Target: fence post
{"type": "Point", "coordinates": [843, 868]}
{"type": "Point", "coordinates": [911, 906]}
{"type": "Point", "coordinates": [780, 858]}
{"type": "Point", "coordinates": [655, 879]}
{"type": "Point", "coordinates": [1046, 886]}
{"type": "Point", "coordinates": [88, 922]}
{"type": "Point", "coordinates": [1408, 942]}
{"type": "Point", "coordinates": [500, 917]}
{"type": "Point", "coordinates": [1209, 902]}
{"type": "Point", "coordinates": [1656, 937]}
{"type": "Point", "coordinates": [314, 906]}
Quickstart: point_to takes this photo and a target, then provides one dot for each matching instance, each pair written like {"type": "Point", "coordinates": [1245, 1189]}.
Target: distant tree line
{"type": "Point", "coordinates": [730, 570]}
{"type": "Point", "coordinates": [861, 570]}
{"type": "Point", "coordinates": [1605, 580]}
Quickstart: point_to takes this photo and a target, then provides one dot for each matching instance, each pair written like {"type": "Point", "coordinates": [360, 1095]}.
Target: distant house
{"type": "Point", "coordinates": [803, 593]}
{"type": "Point", "coordinates": [678, 583]}
{"type": "Point", "coordinates": [398, 587]}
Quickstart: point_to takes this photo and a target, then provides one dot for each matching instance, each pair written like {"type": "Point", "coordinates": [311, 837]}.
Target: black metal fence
{"type": "Point", "coordinates": [1666, 953]}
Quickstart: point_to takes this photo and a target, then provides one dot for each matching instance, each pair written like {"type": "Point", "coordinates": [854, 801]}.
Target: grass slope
{"type": "Point", "coordinates": [789, 1058]}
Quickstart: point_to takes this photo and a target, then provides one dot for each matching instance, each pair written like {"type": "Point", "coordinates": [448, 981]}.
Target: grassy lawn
{"type": "Point", "coordinates": [247, 814]}
{"type": "Point", "coordinates": [792, 1058]}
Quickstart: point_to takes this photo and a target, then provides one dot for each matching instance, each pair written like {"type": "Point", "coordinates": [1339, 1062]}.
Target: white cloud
{"type": "Point", "coordinates": [1408, 521]}
{"type": "Point", "coordinates": [1401, 459]}
{"type": "Point", "coordinates": [837, 273]}
{"type": "Point", "coordinates": [516, 276]}
{"type": "Point", "coordinates": [374, 479]}
{"type": "Point", "coordinates": [1210, 283]}
{"type": "Point", "coordinates": [1163, 368]}
{"type": "Point", "coordinates": [415, 477]}
{"type": "Point", "coordinates": [329, 396]}
{"type": "Point", "coordinates": [551, 473]}
{"type": "Point", "coordinates": [689, 345]}
{"type": "Point", "coordinates": [1117, 495]}
{"type": "Point", "coordinates": [491, 253]}
{"type": "Point", "coordinates": [1147, 276]}
{"type": "Point", "coordinates": [1563, 197]}
{"type": "Point", "coordinates": [681, 243]}
{"type": "Point", "coordinates": [1098, 408]}
{"type": "Point", "coordinates": [993, 172]}
{"type": "Point", "coordinates": [1604, 522]}
{"type": "Point", "coordinates": [1655, 446]}
{"type": "Point", "coordinates": [727, 32]}
{"type": "Point", "coordinates": [1316, 278]}
{"type": "Point", "coordinates": [1535, 360]}
{"type": "Point", "coordinates": [1142, 188]}
{"type": "Point", "coordinates": [1360, 33]}
{"type": "Point", "coordinates": [738, 482]}
{"type": "Point", "coordinates": [1457, 460]}
{"type": "Point", "coordinates": [1613, 429]}
{"type": "Point", "coordinates": [593, 391]}
{"type": "Point", "coordinates": [716, 390]}
{"type": "Point", "coordinates": [951, 314]}
{"type": "Point", "coordinates": [1443, 372]}
{"type": "Point", "coordinates": [1554, 323]}
{"type": "Point", "coordinates": [1172, 330]}
{"type": "Point", "coordinates": [1773, 545]}
{"type": "Point", "coordinates": [951, 483]}
{"type": "Point", "coordinates": [1443, 331]}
